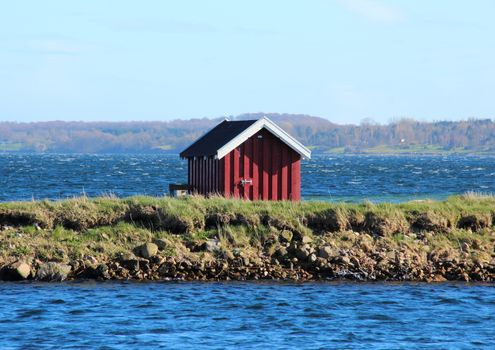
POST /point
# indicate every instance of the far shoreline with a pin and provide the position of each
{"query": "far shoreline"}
(314, 154)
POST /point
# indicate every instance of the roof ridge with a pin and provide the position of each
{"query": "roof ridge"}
(227, 135)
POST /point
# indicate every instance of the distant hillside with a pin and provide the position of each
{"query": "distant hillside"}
(404, 136)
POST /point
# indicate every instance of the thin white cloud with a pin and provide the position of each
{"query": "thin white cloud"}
(374, 10)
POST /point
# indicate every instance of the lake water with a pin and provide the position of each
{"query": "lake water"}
(334, 178)
(246, 316)
(253, 315)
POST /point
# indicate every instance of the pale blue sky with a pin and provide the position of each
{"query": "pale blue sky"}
(344, 60)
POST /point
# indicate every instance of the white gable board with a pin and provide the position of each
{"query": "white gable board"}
(274, 129)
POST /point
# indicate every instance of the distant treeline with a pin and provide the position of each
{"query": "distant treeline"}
(402, 136)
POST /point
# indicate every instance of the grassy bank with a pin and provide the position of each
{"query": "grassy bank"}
(104, 237)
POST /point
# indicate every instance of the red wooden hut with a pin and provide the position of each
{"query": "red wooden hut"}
(250, 159)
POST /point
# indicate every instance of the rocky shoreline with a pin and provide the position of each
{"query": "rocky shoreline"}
(297, 260)
(313, 242)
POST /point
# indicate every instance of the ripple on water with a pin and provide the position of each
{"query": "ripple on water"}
(56, 301)
(30, 313)
(258, 315)
(342, 178)
(78, 312)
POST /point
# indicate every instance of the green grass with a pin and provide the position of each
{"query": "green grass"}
(165, 147)
(336, 150)
(194, 213)
(10, 147)
(104, 227)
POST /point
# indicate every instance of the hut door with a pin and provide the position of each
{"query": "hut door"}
(246, 187)
(242, 180)
(247, 179)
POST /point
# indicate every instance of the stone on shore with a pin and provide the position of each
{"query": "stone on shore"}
(211, 245)
(303, 252)
(21, 269)
(53, 272)
(147, 250)
(306, 239)
(325, 252)
(285, 236)
(161, 243)
(16, 271)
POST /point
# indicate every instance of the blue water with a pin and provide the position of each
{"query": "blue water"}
(246, 316)
(334, 178)
(173, 315)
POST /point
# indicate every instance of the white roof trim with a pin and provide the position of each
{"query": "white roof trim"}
(270, 126)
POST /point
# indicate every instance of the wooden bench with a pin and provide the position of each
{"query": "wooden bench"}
(178, 190)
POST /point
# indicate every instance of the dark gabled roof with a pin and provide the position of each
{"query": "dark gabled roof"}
(213, 140)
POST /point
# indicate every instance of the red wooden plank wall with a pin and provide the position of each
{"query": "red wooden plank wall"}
(271, 165)
(203, 175)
